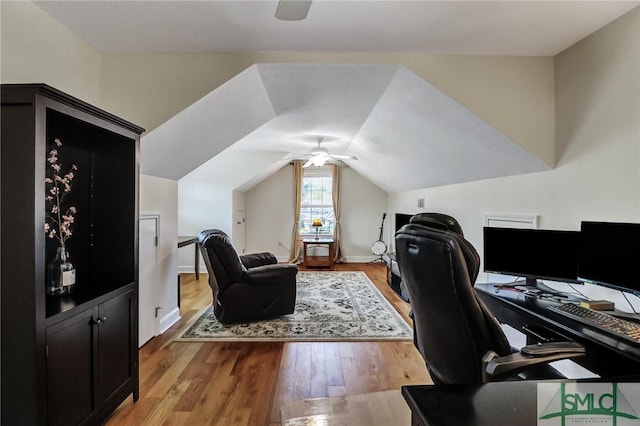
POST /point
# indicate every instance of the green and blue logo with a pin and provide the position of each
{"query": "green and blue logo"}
(586, 403)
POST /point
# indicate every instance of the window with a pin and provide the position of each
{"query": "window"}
(317, 202)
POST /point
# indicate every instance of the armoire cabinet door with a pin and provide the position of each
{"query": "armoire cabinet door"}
(115, 332)
(70, 397)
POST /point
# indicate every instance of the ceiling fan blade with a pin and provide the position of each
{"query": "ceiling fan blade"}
(307, 164)
(343, 157)
(292, 10)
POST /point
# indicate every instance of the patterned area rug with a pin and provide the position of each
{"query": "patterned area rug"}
(329, 306)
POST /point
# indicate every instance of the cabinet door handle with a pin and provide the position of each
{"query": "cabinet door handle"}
(99, 320)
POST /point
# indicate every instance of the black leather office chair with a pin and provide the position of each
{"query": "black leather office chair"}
(432, 220)
(458, 337)
(440, 221)
(246, 288)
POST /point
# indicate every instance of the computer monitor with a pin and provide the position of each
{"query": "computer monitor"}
(532, 254)
(609, 253)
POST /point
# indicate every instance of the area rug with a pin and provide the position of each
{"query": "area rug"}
(329, 306)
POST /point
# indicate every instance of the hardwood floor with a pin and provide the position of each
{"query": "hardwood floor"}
(246, 383)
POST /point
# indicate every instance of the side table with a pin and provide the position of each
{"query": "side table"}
(318, 261)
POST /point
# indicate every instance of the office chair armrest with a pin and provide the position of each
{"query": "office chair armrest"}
(542, 349)
(258, 259)
(529, 356)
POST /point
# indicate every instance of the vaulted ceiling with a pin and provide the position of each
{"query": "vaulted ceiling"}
(406, 133)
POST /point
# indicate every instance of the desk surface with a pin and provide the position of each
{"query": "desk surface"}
(607, 355)
(185, 240)
(499, 403)
(492, 404)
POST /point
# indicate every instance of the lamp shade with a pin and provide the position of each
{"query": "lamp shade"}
(316, 222)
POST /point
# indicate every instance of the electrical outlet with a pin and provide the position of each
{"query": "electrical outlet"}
(421, 203)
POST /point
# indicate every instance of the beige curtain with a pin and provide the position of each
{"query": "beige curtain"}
(296, 241)
(338, 256)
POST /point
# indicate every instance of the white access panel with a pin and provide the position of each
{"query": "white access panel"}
(148, 326)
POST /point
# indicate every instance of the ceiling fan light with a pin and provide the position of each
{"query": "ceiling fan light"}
(320, 151)
(319, 160)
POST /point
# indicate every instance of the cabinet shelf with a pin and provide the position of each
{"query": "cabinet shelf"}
(56, 305)
(104, 196)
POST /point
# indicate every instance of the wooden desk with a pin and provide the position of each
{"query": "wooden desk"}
(187, 240)
(607, 355)
(318, 261)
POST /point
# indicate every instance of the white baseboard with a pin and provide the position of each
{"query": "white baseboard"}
(361, 259)
(169, 319)
(189, 269)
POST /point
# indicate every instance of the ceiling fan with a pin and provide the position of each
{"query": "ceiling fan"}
(320, 155)
(292, 10)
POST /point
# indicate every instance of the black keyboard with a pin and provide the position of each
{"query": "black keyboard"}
(625, 329)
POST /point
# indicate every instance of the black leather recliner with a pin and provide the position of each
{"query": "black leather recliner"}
(246, 288)
(460, 340)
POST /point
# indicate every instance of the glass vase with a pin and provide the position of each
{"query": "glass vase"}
(61, 275)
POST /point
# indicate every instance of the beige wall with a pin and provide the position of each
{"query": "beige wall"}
(598, 136)
(38, 49)
(206, 195)
(598, 125)
(362, 206)
(270, 214)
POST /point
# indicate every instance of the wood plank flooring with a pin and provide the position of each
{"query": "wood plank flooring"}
(384, 408)
(246, 383)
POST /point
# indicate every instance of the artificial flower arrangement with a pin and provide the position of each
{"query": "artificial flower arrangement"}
(58, 223)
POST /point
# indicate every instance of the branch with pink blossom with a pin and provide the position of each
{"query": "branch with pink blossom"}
(58, 221)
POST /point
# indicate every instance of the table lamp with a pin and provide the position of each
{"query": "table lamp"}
(317, 223)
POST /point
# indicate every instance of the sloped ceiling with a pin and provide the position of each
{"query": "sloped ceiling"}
(529, 28)
(406, 133)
